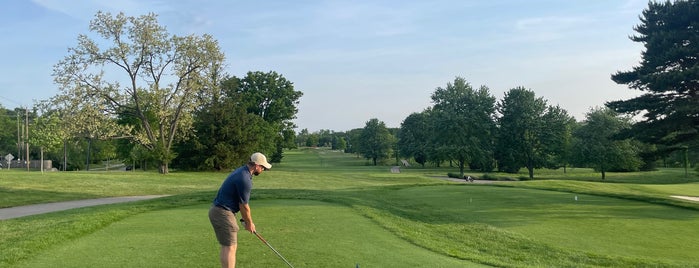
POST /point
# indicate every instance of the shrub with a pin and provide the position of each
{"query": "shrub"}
(489, 176)
(454, 175)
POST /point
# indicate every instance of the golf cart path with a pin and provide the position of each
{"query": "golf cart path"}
(21, 211)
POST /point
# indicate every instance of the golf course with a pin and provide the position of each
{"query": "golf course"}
(323, 208)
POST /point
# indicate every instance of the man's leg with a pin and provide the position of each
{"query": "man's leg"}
(228, 256)
(226, 229)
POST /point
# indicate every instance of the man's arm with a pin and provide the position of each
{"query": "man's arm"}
(246, 216)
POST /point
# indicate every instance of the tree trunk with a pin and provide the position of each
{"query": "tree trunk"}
(163, 168)
(87, 162)
(65, 154)
(41, 149)
(603, 169)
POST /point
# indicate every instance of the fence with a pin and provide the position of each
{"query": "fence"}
(33, 164)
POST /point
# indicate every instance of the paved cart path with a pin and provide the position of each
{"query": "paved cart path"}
(21, 211)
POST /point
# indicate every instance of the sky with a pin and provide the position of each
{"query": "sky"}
(359, 60)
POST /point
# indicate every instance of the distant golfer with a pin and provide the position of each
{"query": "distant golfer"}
(233, 197)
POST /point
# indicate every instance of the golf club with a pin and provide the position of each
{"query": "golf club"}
(270, 246)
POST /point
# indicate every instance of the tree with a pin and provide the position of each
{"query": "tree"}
(225, 134)
(8, 132)
(375, 141)
(354, 141)
(597, 147)
(47, 133)
(531, 134)
(339, 143)
(162, 75)
(463, 123)
(668, 74)
(520, 126)
(273, 98)
(414, 136)
(557, 137)
(84, 116)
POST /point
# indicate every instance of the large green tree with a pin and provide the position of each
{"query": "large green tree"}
(226, 135)
(520, 127)
(414, 136)
(375, 141)
(273, 98)
(142, 69)
(668, 76)
(463, 123)
(531, 133)
(557, 137)
(596, 144)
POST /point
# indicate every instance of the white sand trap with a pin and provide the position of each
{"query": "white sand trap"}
(690, 198)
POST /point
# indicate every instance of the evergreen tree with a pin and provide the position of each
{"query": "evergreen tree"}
(668, 75)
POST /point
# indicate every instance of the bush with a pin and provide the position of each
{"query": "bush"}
(454, 175)
(491, 177)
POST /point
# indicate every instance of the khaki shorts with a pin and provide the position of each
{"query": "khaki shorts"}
(225, 225)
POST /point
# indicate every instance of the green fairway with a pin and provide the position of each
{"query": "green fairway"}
(601, 225)
(321, 208)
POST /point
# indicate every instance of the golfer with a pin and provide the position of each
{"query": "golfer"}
(233, 197)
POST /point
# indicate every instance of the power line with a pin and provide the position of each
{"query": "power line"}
(13, 101)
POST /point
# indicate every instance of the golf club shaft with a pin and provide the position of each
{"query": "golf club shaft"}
(270, 246)
(275, 251)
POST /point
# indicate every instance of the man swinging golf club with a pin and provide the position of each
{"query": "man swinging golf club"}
(233, 197)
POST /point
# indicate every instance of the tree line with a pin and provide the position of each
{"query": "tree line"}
(134, 92)
(467, 127)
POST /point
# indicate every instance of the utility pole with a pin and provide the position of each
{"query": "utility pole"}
(19, 142)
(26, 124)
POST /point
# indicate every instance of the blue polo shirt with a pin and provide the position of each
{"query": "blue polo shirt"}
(235, 190)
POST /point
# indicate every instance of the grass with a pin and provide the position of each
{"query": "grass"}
(325, 209)
(24, 188)
(144, 240)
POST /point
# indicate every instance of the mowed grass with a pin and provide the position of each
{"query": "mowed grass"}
(182, 237)
(326, 209)
(24, 188)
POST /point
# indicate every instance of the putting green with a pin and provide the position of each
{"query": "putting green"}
(307, 233)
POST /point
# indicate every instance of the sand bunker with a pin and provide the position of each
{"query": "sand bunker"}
(690, 198)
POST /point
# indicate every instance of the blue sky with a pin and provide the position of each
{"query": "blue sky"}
(358, 60)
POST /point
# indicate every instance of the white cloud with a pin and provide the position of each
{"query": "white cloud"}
(86, 9)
